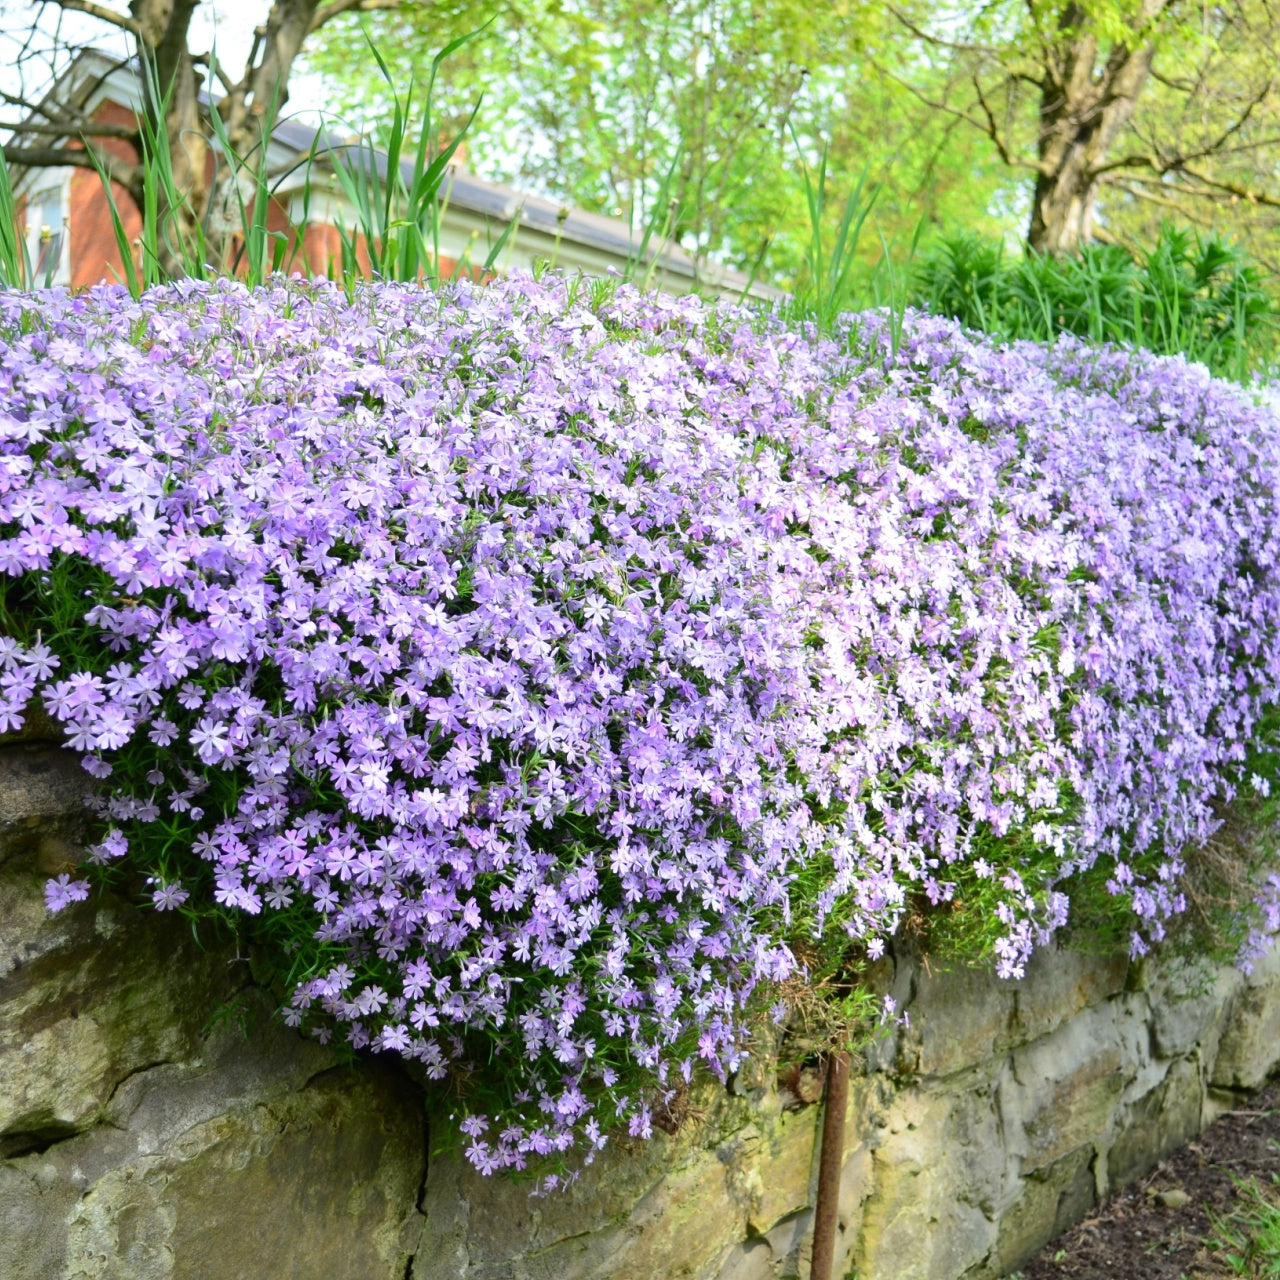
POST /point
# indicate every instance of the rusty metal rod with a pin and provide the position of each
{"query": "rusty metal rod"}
(829, 1161)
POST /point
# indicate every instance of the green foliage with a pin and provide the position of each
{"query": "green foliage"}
(836, 278)
(1247, 1240)
(703, 120)
(261, 252)
(396, 231)
(397, 225)
(172, 240)
(15, 262)
(831, 280)
(1197, 296)
(593, 100)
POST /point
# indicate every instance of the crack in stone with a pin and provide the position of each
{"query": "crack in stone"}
(34, 1142)
(420, 1198)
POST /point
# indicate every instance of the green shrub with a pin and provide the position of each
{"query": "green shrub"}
(1188, 295)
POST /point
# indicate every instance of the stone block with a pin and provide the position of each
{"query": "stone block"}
(42, 801)
(641, 1212)
(855, 1190)
(958, 1017)
(1065, 1087)
(1060, 983)
(1249, 1050)
(855, 1186)
(88, 997)
(1049, 1201)
(751, 1260)
(932, 1172)
(1156, 1124)
(35, 1203)
(1189, 999)
(791, 1244)
(319, 1180)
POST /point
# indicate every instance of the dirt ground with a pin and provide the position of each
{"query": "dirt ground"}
(1156, 1228)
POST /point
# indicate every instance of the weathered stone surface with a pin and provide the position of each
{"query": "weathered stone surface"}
(959, 1016)
(786, 1170)
(931, 1176)
(641, 1213)
(855, 1188)
(1157, 1123)
(88, 997)
(42, 794)
(318, 1180)
(1049, 1201)
(35, 1204)
(1066, 1086)
(1061, 983)
(751, 1260)
(1189, 1000)
(962, 1016)
(138, 1141)
(1250, 1048)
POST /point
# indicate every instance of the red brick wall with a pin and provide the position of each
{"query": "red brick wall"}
(94, 254)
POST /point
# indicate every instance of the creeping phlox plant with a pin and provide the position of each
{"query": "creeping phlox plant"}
(540, 665)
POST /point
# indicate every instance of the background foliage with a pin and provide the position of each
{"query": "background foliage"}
(597, 101)
(593, 100)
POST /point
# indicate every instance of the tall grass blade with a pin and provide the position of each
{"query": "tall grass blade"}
(659, 221)
(132, 281)
(252, 253)
(15, 261)
(498, 247)
(395, 218)
(829, 290)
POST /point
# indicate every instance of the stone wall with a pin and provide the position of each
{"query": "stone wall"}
(156, 1124)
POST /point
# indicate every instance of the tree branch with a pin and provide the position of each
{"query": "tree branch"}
(981, 125)
(1177, 85)
(207, 61)
(338, 7)
(95, 129)
(1209, 188)
(1139, 192)
(102, 14)
(1231, 130)
(125, 174)
(992, 130)
(31, 108)
(171, 49)
(1210, 185)
(1168, 164)
(938, 42)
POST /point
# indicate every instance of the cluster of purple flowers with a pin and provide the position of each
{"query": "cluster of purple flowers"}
(557, 664)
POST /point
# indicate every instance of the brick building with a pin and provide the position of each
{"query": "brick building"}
(69, 226)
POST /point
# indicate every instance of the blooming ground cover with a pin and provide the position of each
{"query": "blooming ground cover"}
(541, 667)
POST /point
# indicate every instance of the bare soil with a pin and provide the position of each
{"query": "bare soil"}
(1157, 1228)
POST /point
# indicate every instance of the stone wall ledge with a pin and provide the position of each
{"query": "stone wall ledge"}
(145, 1134)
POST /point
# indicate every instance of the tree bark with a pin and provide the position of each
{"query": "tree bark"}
(174, 79)
(1083, 108)
(162, 40)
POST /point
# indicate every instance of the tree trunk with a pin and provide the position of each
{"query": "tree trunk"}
(1083, 107)
(162, 27)
(209, 206)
